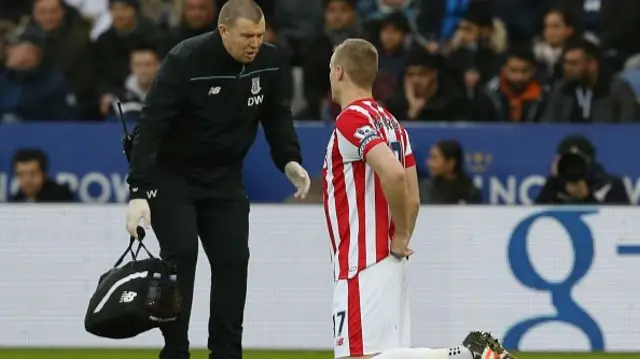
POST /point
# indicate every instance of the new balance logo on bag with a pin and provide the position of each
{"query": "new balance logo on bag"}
(115, 286)
(119, 307)
(128, 296)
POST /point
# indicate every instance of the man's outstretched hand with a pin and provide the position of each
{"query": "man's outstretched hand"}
(299, 177)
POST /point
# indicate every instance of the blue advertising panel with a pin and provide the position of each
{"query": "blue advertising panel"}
(509, 162)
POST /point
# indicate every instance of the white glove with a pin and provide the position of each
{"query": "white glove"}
(299, 177)
(138, 209)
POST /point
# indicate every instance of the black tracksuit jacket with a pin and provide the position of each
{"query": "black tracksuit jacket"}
(201, 116)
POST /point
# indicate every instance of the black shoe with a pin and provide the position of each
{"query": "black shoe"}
(483, 346)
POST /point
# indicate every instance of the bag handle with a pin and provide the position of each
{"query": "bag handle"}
(134, 255)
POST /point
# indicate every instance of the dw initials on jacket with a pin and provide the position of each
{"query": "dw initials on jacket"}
(356, 211)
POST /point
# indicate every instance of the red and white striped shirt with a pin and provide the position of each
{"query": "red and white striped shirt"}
(356, 210)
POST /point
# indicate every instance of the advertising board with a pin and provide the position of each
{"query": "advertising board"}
(508, 162)
(540, 278)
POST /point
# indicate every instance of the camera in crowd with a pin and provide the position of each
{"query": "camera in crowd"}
(576, 171)
(579, 178)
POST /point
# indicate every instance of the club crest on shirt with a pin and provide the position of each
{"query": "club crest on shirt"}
(363, 132)
(255, 86)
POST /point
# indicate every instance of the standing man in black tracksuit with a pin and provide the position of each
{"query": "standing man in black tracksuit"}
(200, 117)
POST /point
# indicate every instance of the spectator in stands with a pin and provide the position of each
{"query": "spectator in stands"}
(30, 167)
(437, 20)
(577, 177)
(428, 94)
(515, 96)
(589, 93)
(392, 48)
(448, 183)
(113, 48)
(199, 16)
(631, 74)
(560, 26)
(273, 36)
(14, 11)
(68, 48)
(6, 28)
(97, 11)
(610, 22)
(341, 22)
(29, 89)
(475, 48)
(299, 22)
(12, 15)
(481, 28)
(521, 17)
(145, 62)
(164, 13)
(378, 9)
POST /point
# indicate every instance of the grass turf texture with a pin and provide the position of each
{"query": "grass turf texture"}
(251, 354)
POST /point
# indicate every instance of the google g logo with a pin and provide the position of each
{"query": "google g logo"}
(567, 310)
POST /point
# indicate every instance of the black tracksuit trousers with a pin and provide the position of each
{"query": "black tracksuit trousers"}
(180, 213)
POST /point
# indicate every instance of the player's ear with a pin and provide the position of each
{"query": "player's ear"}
(340, 73)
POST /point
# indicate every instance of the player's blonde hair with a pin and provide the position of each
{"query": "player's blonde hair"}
(359, 59)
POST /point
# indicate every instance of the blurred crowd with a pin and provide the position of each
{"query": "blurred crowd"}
(511, 61)
(440, 60)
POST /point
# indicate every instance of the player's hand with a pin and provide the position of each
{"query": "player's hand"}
(138, 209)
(400, 246)
(299, 177)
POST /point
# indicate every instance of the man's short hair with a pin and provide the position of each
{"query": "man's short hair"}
(146, 47)
(396, 20)
(359, 59)
(569, 17)
(233, 10)
(522, 53)
(353, 4)
(133, 3)
(61, 3)
(31, 154)
(588, 47)
(418, 56)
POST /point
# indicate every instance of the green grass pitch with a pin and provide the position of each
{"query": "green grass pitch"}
(250, 354)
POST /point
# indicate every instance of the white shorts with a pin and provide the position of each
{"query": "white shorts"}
(371, 310)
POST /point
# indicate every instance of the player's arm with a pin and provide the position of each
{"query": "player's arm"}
(411, 175)
(162, 105)
(413, 194)
(278, 121)
(358, 140)
(395, 186)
